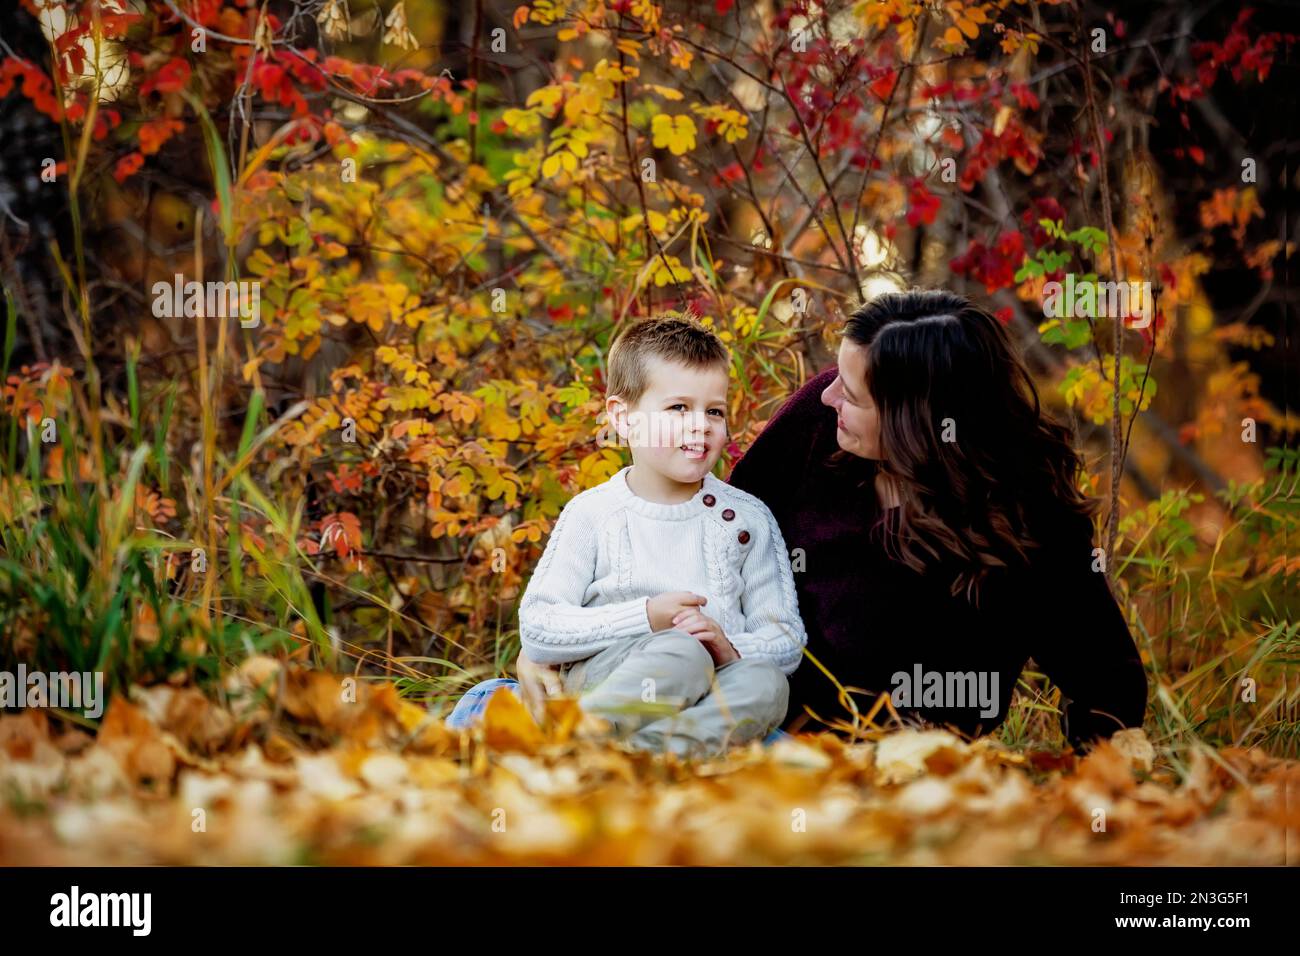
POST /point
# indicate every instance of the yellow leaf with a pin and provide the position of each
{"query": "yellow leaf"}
(546, 97)
(671, 271)
(599, 467)
(523, 122)
(521, 184)
(1000, 121)
(676, 133)
(507, 725)
(500, 425)
(667, 92)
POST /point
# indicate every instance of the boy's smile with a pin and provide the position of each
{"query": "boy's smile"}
(696, 450)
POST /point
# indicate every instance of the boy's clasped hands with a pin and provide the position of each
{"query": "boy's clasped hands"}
(681, 610)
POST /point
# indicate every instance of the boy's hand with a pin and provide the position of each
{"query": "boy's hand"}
(709, 633)
(538, 682)
(663, 608)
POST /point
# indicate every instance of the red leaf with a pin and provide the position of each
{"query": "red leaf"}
(170, 79)
(922, 206)
(884, 86)
(36, 86)
(343, 531)
(106, 120)
(156, 132)
(127, 166)
(996, 266)
(1011, 245)
(115, 25)
(1025, 97)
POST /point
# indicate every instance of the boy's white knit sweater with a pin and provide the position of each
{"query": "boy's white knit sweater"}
(610, 551)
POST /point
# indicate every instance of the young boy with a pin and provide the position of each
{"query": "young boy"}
(664, 594)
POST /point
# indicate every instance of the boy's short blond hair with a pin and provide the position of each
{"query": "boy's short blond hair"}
(671, 337)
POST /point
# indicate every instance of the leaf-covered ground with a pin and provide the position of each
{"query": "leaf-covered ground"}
(287, 770)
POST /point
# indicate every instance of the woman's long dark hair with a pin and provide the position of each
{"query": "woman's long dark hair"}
(977, 462)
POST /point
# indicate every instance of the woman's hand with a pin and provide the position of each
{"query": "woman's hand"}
(537, 682)
(709, 633)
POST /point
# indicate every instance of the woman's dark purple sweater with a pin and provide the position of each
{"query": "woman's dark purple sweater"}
(869, 617)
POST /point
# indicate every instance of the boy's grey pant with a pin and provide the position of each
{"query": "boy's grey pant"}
(662, 692)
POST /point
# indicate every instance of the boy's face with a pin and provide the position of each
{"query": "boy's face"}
(679, 425)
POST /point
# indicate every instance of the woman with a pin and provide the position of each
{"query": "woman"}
(938, 537)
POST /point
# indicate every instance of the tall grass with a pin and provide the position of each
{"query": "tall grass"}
(87, 582)
(1217, 621)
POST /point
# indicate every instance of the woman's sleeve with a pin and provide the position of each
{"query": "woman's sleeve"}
(1083, 644)
(784, 444)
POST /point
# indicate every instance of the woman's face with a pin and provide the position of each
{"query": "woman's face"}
(857, 423)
